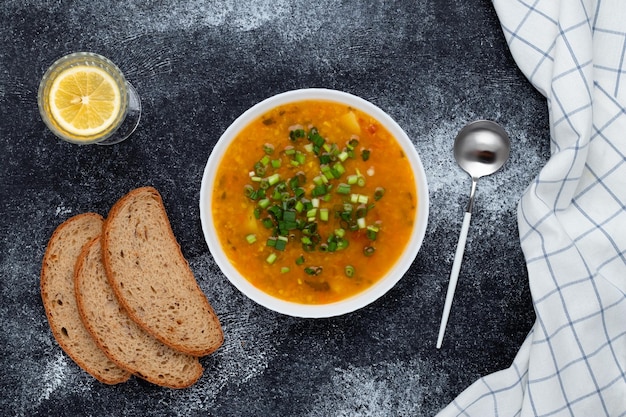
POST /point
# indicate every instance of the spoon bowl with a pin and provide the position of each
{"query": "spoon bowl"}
(480, 148)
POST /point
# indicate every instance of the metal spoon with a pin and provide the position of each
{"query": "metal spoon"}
(480, 148)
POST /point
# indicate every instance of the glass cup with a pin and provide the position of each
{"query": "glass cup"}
(118, 127)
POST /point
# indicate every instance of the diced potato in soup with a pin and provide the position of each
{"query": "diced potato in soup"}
(350, 122)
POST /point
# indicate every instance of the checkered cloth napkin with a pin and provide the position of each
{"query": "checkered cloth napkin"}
(572, 218)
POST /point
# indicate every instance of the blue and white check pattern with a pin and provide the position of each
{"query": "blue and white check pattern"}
(572, 218)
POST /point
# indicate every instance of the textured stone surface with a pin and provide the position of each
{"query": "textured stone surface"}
(433, 66)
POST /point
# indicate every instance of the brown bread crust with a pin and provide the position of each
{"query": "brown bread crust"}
(152, 279)
(57, 295)
(121, 339)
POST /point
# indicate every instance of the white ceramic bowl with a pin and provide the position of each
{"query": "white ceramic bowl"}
(318, 310)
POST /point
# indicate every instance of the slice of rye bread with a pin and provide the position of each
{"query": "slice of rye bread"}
(121, 339)
(59, 300)
(151, 277)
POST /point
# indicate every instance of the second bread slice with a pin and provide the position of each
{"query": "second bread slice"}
(121, 339)
(152, 279)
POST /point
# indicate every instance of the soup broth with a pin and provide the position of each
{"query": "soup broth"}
(314, 202)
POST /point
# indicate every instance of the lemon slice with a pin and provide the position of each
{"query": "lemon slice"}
(85, 100)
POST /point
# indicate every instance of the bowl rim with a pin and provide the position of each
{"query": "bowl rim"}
(356, 301)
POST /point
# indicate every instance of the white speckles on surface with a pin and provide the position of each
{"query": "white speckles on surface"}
(54, 374)
(384, 389)
(244, 16)
(62, 211)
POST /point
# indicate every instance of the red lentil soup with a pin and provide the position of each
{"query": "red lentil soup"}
(314, 202)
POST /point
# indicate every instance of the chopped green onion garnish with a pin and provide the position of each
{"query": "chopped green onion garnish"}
(251, 238)
(313, 270)
(379, 193)
(316, 138)
(249, 191)
(273, 179)
(325, 158)
(264, 203)
(349, 270)
(365, 154)
(281, 243)
(299, 193)
(276, 211)
(300, 260)
(271, 258)
(319, 190)
(372, 232)
(284, 270)
(328, 173)
(369, 250)
(277, 195)
(299, 157)
(361, 211)
(339, 169)
(342, 243)
(362, 199)
(259, 169)
(343, 188)
(268, 148)
(289, 216)
(297, 134)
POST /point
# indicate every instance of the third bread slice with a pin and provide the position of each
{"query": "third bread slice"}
(152, 279)
(59, 301)
(121, 339)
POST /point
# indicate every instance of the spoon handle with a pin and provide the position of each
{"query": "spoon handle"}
(454, 276)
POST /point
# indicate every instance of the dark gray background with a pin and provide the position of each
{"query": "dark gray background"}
(432, 65)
